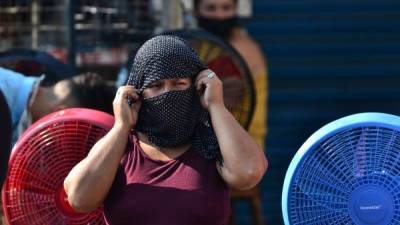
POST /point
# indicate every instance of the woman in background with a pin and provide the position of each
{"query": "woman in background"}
(220, 18)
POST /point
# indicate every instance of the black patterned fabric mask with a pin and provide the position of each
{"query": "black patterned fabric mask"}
(173, 118)
(169, 119)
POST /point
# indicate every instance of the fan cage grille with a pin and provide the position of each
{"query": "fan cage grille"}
(38, 169)
(324, 180)
(239, 101)
(239, 92)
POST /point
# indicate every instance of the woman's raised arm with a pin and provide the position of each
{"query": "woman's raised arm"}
(89, 181)
(244, 162)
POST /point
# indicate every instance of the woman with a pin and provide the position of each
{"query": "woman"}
(164, 161)
(220, 18)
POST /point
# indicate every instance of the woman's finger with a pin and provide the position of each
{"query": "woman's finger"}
(127, 91)
(203, 74)
(200, 83)
(127, 94)
(123, 89)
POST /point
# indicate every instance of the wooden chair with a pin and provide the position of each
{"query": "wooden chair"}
(254, 197)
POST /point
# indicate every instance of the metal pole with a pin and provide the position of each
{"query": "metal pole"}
(35, 24)
(171, 14)
(71, 39)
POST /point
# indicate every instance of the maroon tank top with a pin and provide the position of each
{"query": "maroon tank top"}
(187, 190)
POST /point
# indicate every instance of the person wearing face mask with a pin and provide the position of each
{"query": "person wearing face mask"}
(174, 148)
(219, 17)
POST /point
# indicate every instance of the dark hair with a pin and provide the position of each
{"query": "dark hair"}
(197, 2)
(6, 133)
(89, 90)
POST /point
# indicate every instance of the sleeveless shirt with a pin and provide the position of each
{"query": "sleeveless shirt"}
(187, 190)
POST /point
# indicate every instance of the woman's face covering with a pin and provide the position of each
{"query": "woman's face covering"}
(169, 112)
(217, 17)
(217, 9)
(159, 87)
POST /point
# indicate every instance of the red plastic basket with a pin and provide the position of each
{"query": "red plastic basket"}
(33, 192)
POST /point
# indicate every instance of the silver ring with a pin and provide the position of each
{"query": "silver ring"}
(211, 75)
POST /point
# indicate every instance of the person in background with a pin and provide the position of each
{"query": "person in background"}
(29, 101)
(219, 17)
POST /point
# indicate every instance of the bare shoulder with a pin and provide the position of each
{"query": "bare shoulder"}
(249, 49)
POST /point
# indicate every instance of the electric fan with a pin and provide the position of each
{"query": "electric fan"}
(33, 192)
(348, 172)
(239, 93)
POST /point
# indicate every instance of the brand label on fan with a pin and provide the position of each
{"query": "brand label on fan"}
(372, 207)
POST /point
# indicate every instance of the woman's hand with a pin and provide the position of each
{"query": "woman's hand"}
(126, 115)
(244, 161)
(88, 183)
(210, 88)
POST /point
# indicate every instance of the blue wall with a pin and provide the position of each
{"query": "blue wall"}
(328, 59)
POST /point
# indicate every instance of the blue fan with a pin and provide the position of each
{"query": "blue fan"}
(348, 172)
